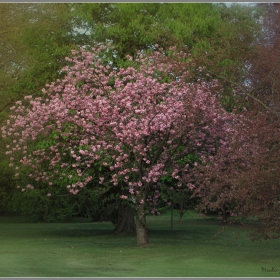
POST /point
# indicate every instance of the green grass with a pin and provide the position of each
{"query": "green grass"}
(192, 249)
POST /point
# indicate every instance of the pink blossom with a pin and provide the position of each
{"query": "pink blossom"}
(101, 180)
(130, 123)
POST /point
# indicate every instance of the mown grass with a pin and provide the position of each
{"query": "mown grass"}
(195, 248)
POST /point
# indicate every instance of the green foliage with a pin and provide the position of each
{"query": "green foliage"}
(60, 206)
(219, 33)
(7, 184)
(138, 26)
(48, 42)
(190, 158)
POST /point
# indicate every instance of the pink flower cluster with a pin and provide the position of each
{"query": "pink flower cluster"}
(128, 120)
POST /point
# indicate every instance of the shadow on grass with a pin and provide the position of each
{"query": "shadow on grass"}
(176, 233)
(192, 229)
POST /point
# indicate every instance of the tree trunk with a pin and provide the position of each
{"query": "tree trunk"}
(126, 222)
(141, 227)
(225, 217)
(181, 212)
(171, 216)
(181, 217)
(46, 211)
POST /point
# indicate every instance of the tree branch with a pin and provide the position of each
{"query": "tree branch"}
(249, 94)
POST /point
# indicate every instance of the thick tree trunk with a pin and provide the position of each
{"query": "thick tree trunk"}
(126, 222)
(141, 227)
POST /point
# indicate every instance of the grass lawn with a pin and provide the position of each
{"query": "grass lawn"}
(191, 249)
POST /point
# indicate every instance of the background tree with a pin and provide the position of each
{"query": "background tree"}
(262, 85)
(263, 69)
(226, 193)
(34, 41)
(221, 37)
(254, 191)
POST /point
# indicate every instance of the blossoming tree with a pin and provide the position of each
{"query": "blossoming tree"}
(141, 122)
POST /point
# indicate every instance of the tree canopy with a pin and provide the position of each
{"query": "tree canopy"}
(139, 121)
